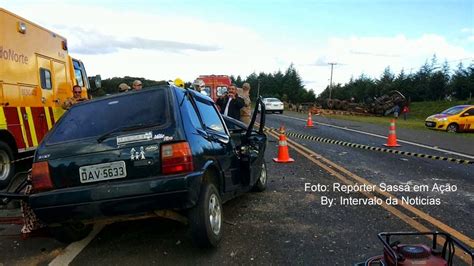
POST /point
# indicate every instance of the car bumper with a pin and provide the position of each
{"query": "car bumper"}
(273, 108)
(132, 197)
(438, 125)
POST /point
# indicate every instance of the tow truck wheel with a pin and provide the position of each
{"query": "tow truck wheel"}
(261, 184)
(70, 232)
(206, 218)
(7, 169)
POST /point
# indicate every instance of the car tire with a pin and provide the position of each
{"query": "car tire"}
(207, 218)
(281, 112)
(7, 169)
(70, 232)
(261, 184)
(453, 128)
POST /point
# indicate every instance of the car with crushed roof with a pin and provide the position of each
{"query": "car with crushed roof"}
(137, 153)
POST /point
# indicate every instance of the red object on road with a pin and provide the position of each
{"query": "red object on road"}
(397, 254)
(283, 154)
(309, 122)
(392, 135)
(11, 220)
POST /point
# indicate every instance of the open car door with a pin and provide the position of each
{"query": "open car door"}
(254, 142)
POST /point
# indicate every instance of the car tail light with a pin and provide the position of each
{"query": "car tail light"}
(176, 158)
(40, 178)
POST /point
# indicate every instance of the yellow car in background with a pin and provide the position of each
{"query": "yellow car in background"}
(458, 118)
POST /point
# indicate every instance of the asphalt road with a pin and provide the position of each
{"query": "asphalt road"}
(452, 142)
(285, 224)
(377, 167)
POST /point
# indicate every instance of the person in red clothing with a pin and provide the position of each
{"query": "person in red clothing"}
(405, 111)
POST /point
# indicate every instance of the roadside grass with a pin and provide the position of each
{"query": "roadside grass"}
(419, 111)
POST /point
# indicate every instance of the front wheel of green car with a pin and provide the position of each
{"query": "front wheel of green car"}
(261, 184)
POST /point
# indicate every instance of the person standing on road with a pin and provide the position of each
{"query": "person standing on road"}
(405, 112)
(76, 97)
(198, 85)
(231, 104)
(396, 111)
(245, 112)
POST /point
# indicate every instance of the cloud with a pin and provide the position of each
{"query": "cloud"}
(321, 61)
(356, 55)
(89, 42)
(155, 44)
(373, 54)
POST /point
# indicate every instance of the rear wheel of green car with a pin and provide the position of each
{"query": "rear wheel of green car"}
(70, 232)
(206, 217)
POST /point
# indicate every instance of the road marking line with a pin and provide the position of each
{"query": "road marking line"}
(414, 210)
(371, 148)
(410, 221)
(383, 137)
(71, 251)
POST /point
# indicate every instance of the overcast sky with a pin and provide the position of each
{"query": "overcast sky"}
(169, 39)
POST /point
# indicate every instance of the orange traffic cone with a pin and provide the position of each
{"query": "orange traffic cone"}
(392, 135)
(283, 155)
(309, 122)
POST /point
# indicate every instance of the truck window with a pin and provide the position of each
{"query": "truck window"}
(45, 76)
(221, 90)
(78, 73)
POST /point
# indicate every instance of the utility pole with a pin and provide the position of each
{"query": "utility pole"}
(258, 89)
(330, 84)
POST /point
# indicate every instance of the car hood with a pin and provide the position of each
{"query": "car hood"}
(437, 116)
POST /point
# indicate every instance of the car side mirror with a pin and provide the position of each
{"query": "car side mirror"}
(465, 114)
(224, 139)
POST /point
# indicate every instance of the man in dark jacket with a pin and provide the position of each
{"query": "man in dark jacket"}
(231, 104)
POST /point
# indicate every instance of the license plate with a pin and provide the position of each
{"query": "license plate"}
(430, 124)
(103, 171)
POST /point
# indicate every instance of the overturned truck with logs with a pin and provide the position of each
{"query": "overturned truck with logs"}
(383, 105)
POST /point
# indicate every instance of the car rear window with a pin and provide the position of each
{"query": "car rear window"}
(272, 100)
(93, 119)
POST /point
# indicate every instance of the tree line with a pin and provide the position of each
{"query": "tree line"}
(287, 86)
(110, 85)
(432, 82)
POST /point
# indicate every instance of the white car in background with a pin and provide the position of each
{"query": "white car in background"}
(273, 105)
